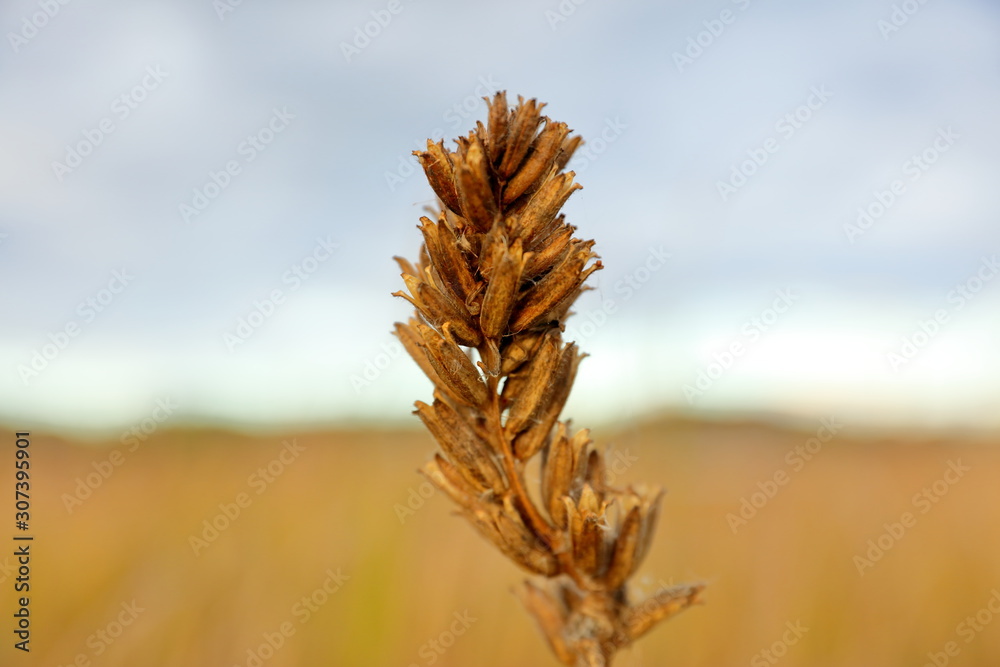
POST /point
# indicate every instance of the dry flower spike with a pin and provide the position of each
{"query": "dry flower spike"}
(498, 272)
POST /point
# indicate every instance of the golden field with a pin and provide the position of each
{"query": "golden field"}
(336, 559)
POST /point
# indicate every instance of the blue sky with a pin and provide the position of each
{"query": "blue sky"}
(814, 185)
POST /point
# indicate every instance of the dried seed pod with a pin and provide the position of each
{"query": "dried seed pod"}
(445, 255)
(555, 249)
(566, 151)
(445, 476)
(519, 349)
(475, 192)
(594, 472)
(588, 531)
(515, 384)
(482, 134)
(496, 126)
(453, 367)
(406, 267)
(623, 560)
(531, 441)
(482, 518)
(561, 311)
(412, 282)
(540, 300)
(502, 292)
(556, 392)
(440, 310)
(535, 220)
(557, 476)
(424, 260)
(540, 161)
(461, 444)
(414, 345)
(538, 385)
(588, 545)
(493, 246)
(650, 513)
(588, 502)
(437, 164)
(638, 620)
(523, 126)
(521, 543)
(581, 443)
(574, 520)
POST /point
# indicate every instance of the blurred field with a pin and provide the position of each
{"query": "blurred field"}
(336, 508)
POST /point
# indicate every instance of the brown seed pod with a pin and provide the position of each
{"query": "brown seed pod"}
(437, 164)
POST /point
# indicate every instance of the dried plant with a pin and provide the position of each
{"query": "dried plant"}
(498, 271)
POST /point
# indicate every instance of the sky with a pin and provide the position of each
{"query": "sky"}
(795, 204)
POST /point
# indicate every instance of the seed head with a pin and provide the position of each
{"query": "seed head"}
(497, 273)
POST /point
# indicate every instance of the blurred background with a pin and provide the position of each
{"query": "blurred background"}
(794, 204)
